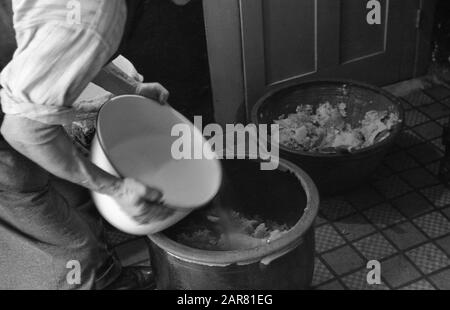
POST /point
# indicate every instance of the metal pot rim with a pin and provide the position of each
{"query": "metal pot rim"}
(288, 242)
(100, 137)
(358, 153)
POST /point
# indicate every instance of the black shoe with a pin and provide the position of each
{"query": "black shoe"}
(134, 278)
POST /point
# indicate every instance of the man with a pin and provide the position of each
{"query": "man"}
(43, 229)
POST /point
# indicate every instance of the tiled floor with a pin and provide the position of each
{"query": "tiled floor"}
(401, 217)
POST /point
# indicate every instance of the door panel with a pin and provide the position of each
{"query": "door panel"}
(358, 39)
(283, 44)
(286, 41)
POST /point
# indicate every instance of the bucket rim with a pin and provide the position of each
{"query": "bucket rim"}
(104, 149)
(362, 152)
(293, 238)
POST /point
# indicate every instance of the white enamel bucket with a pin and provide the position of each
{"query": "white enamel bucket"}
(136, 138)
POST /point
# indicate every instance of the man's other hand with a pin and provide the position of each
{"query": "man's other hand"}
(141, 202)
(153, 91)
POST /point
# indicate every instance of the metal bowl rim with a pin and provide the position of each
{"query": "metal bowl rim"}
(293, 238)
(364, 151)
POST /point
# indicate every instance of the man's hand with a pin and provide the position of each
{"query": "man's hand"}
(141, 202)
(153, 91)
(117, 82)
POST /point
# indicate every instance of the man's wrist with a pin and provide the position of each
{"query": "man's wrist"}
(113, 189)
(139, 89)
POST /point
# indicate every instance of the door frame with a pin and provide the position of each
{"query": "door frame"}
(224, 45)
(424, 36)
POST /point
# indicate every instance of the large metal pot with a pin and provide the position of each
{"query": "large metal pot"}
(286, 195)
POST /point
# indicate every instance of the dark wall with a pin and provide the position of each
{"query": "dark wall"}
(169, 47)
(7, 41)
(441, 44)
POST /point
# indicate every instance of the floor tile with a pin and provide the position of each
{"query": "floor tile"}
(375, 247)
(429, 130)
(445, 101)
(418, 98)
(408, 139)
(425, 153)
(405, 104)
(421, 285)
(400, 161)
(384, 215)
(438, 92)
(446, 211)
(382, 172)
(392, 187)
(327, 238)
(433, 168)
(335, 208)
(343, 260)
(444, 243)
(444, 121)
(398, 271)
(429, 258)
(332, 286)
(364, 197)
(415, 117)
(439, 195)
(320, 220)
(321, 273)
(358, 281)
(433, 224)
(354, 227)
(405, 235)
(435, 110)
(442, 280)
(412, 205)
(419, 178)
(438, 144)
(394, 149)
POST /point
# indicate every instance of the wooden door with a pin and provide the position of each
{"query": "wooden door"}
(286, 41)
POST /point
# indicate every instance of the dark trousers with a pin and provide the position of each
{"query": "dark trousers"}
(48, 228)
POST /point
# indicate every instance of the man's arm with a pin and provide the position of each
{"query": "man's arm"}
(116, 81)
(51, 148)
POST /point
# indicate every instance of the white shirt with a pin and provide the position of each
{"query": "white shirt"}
(58, 55)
